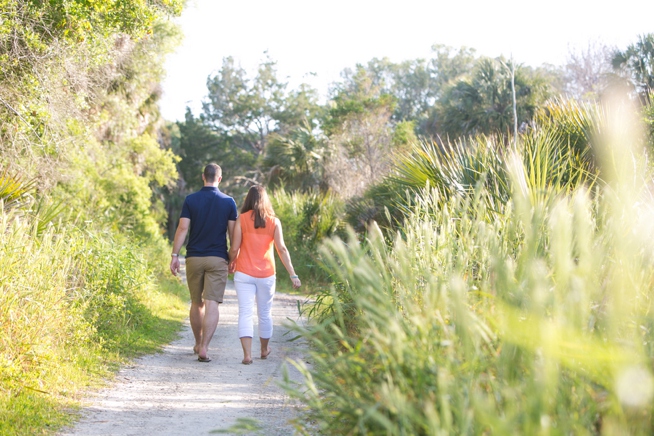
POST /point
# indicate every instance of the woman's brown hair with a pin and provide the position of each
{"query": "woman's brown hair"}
(257, 200)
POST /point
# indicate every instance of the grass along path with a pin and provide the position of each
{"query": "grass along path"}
(172, 393)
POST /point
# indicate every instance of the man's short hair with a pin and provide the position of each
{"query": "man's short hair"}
(212, 172)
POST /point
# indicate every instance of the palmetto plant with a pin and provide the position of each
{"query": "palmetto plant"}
(555, 155)
(296, 160)
(16, 193)
(14, 188)
(308, 219)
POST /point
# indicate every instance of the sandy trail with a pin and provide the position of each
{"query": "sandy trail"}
(171, 393)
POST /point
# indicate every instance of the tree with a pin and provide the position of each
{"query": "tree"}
(586, 71)
(483, 103)
(636, 65)
(296, 160)
(360, 134)
(78, 105)
(245, 110)
(240, 117)
(200, 145)
(415, 85)
(377, 109)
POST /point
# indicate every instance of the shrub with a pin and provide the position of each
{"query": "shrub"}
(307, 219)
(556, 153)
(74, 302)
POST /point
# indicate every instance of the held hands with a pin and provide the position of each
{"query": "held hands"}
(232, 266)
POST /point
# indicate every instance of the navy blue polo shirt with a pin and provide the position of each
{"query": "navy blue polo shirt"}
(209, 210)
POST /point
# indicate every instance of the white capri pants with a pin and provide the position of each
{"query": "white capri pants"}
(248, 290)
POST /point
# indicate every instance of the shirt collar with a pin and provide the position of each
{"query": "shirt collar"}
(209, 188)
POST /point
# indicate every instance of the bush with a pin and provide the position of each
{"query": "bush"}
(307, 219)
(556, 154)
(74, 302)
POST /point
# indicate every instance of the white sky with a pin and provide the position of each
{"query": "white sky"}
(324, 37)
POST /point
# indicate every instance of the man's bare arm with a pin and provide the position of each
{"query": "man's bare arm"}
(180, 237)
(230, 231)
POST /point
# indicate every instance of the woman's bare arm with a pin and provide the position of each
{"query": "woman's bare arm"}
(284, 254)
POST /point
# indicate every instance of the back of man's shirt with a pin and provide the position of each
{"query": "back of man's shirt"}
(209, 211)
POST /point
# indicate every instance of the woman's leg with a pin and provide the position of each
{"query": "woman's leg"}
(246, 344)
(245, 292)
(265, 294)
(265, 349)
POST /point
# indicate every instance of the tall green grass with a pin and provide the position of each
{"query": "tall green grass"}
(74, 303)
(307, 219)
(533, 319)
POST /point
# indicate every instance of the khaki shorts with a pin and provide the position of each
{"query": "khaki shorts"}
(206, 278)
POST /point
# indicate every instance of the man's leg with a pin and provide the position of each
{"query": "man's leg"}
(209, 323)
(195, 281)
(196, 314)
(215, 279)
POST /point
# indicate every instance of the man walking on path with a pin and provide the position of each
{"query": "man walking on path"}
(208, 215)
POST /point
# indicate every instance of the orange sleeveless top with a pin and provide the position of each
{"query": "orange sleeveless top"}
(256, 257)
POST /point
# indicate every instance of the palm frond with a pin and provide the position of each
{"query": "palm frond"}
(14, 188)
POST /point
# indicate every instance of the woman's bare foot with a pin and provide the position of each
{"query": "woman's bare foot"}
(196, 349)
(264, 355)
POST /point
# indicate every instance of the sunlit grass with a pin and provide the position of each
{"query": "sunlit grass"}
(525, 316)
(74, 304)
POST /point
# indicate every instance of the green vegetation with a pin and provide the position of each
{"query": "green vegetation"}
(82, 174)
(495, 277)
(497, 271)
(262, 132)
(489, 282)
(307, 219)
(636, 65)
(75, 303)
(530, 317)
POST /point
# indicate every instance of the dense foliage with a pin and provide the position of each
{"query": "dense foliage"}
(267, 134)
(83, 174)
(493, 315)
(496, 276)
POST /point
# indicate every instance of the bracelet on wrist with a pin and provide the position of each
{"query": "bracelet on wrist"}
(174, 255)
(294, 277)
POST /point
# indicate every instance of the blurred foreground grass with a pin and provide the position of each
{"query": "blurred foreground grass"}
(529, 315)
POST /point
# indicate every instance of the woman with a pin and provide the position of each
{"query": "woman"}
(253, 264)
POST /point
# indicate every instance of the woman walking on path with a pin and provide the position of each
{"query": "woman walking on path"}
(253, 263)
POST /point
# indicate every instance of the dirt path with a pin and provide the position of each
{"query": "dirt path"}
(171, 393)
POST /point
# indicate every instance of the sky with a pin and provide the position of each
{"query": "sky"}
(312, 41)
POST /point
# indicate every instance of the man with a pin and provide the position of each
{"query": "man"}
(209, 214)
